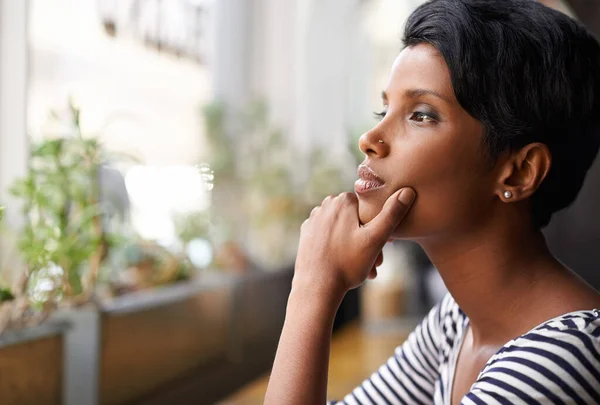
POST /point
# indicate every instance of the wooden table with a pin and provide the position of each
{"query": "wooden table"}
(355, 355)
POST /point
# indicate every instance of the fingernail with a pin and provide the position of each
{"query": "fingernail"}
(406, 196)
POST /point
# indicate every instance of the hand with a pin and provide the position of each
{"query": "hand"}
(336, 253)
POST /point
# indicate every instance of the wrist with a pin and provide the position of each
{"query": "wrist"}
(316, 296)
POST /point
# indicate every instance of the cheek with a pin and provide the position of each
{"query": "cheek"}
(444, 191)
(451, 183)
(450, 176)
(436, 213)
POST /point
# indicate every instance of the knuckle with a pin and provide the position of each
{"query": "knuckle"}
(347, 197)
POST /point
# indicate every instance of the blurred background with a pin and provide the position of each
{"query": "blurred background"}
(157, 158)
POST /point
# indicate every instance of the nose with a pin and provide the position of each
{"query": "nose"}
(373, 144)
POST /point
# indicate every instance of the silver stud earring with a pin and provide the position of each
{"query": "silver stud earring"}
(507, 194)
(381, 141)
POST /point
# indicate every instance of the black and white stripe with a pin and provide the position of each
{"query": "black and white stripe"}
(558, 362)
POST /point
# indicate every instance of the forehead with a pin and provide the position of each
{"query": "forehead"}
(420, 67)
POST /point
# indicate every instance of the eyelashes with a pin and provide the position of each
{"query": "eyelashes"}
(418, 116)
(424, 117)
(379, 115)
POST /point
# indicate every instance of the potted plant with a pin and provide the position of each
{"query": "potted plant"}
(62, 246)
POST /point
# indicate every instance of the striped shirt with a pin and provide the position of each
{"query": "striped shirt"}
(557, 362)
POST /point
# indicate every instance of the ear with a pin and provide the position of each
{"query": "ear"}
(523, 172)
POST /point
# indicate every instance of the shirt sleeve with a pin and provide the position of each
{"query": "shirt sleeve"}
(410, 375)
(550, 365)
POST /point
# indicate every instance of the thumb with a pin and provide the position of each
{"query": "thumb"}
(392, 213)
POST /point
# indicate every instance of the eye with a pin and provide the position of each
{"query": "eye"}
(424, 117)
(380, 115)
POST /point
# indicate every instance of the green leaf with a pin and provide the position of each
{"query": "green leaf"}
(6, 294)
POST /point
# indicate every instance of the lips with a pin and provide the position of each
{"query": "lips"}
(367, 181)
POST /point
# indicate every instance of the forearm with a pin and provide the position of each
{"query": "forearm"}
(325, 270)
(299, 375)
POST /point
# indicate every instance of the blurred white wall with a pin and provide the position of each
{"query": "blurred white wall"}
(14, 143)
(320, 65)
(141, 101)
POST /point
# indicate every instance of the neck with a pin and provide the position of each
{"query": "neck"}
(494, 274)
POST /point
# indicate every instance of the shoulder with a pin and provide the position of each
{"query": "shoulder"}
(558, 361)
(576, 333)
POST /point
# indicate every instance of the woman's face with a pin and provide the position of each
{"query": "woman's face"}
(430, 144)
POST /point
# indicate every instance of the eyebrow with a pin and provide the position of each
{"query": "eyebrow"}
(414, 93)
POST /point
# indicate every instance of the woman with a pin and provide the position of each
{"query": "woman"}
(490, 121)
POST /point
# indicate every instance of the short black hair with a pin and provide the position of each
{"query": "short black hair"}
(529, 74)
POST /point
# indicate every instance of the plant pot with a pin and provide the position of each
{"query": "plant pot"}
(151, 339)
(31, 365)
(245, 351)
(191, 343)
(261, 300)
